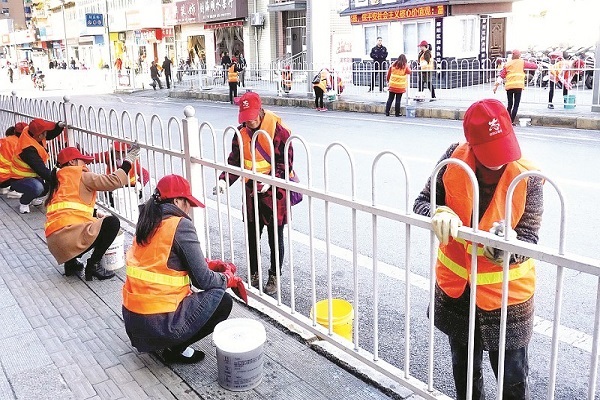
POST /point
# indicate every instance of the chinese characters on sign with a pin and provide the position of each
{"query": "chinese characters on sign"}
(193, 11)
(94, 20)
(187, 12)
(399, 15)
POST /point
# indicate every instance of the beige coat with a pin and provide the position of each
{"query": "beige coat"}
(73, 240)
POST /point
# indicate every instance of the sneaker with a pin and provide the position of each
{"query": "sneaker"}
(4, 190)
(551, 106)
(271, 286)
(14, 195)
(254, 280)
(38, 201)
(24, 209)
(323, 109)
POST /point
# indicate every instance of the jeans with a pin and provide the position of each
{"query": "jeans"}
(252, 240)
(516, 369)
(514, 98)
(30, 187)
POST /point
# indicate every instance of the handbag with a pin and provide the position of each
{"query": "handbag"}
(317, 78)
(295, 197)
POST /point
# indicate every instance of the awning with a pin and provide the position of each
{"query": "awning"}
(224, 24)
(408, 4)
(287, 6)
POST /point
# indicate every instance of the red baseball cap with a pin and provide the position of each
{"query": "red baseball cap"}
(489, 131)
(19, 126)
(175, 186)
(72, 153)
(38, 125)
(423, 43)
(250, 106)
(120, 146)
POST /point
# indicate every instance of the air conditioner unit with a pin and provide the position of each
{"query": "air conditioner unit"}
(257, 19)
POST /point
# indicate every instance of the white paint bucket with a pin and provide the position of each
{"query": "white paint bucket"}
(114, 258)
(239, 343)
(525, 121)
(126, 202)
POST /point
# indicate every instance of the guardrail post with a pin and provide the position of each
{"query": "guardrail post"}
(70, 139)
(12, 103)
(193, 171)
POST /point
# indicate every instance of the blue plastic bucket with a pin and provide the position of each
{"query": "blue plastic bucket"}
(569, 102)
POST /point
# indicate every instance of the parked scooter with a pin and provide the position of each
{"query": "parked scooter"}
(38, 80)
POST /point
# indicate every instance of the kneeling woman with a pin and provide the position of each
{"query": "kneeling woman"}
(160, 310)
(72, 228)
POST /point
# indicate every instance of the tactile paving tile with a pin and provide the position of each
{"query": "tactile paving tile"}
(13, 322)
(27, 353)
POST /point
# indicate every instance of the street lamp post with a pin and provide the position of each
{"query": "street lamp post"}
(108, 43)
(62, 2)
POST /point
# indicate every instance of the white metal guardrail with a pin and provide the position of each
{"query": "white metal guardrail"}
(314, 257)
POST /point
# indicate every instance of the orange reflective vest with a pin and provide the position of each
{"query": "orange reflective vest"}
(232, 76)
(398, 80)
(453, 267)
(515, 74)
(66, 207)
(151, 287)
(268, 124)
(19, 168)
(425, 66)
(7, 149)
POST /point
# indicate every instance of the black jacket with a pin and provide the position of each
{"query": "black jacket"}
(30, 155)
(379, 53)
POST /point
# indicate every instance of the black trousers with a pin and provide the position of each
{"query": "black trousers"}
(252, 240)
(108, 232)
(516, 369)
(388, 105)
(232, 91)
(219, 315)
(377, 76)
(426, 81)
(514, 99)
(551, 92)
(318, 96)
(168, 78)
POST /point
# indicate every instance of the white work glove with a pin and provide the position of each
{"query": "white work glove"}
(132, 154)
(493, 254)
(221, 186)
(263, 187)
(61, 124)
(445, 223)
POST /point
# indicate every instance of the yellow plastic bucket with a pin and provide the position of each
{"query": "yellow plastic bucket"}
(343, 316)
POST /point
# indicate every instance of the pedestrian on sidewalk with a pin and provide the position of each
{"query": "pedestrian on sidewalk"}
(7, 150)
(252, 118)
(561, 72)
(320, 87)
(378, 54)
(225, 63)
(166, 66)
(29, 173)
(10, 74)
(492, 152)
(242, 64)
(155, 75)
(513, 74)
(73, 225)
(426, 64)
(233, 78)
(397, 78)
(160, 310)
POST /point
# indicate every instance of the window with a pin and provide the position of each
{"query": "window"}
(467, 35)
(371, 35)
(414, 33)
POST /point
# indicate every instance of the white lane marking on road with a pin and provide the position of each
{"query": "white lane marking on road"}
(541, 326)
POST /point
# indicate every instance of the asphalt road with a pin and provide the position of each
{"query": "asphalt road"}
(568, 158)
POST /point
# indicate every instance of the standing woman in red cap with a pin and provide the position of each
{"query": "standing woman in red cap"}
(493, 153)
(160, 310)
(513, 73)
(72, 226)
(426, 64)
(253, 117)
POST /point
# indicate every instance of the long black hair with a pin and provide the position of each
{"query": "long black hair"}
(150, 218)
(53, 184)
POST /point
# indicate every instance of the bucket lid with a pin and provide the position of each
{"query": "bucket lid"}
(239, 335)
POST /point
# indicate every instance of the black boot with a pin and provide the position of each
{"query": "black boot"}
(93, 268)
(73, 267)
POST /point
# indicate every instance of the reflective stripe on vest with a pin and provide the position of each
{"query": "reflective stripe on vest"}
(486, 278)
(153, 277)
(268, 124)
(515, 74)
(20, 169)
(232, 76)
(69, 204)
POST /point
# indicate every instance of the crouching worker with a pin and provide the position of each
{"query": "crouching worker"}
(72, 226)
(160, 310)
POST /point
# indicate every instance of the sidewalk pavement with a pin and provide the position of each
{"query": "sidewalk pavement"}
(581, 117)
(63, 338)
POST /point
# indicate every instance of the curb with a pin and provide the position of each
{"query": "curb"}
(559, 121)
